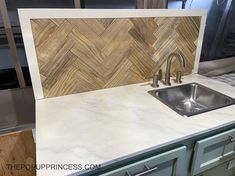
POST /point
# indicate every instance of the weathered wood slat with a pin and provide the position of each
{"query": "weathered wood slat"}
(151, 4)
(78, 55)
(11, 41)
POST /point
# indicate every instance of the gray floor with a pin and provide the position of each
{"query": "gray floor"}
(222, 70)
(226, 78)
(217, 67)
(17, 109)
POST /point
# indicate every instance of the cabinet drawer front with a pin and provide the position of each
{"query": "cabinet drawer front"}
(212, 151)
(166, 164)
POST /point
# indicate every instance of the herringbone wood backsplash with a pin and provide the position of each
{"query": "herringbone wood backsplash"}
(78, 55)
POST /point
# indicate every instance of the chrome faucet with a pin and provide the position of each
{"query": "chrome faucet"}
(168, 67)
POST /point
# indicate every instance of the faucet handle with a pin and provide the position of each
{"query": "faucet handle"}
(178, 77)
(160, 74)
(155, 81)
(157, 78)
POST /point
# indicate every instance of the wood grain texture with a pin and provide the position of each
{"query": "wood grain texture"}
(17, 149)
(78, 55)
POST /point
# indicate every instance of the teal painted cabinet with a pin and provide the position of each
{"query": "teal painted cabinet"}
(213, 151)
(221, 170)
(207, 154)
(170, 163)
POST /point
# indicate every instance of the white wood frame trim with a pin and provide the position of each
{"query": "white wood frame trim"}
(26, 14)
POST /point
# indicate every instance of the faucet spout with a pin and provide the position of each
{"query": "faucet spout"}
(168, 66)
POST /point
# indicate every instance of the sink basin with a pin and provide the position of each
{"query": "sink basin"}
(191, 99)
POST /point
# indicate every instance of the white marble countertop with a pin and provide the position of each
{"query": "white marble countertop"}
(102, 126)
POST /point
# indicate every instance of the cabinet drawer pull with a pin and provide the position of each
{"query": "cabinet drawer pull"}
(147, 171)
(127, 173)
(231, 138)
(227, 157)
(144, 172)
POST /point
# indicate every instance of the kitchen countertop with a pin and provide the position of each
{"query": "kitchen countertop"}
(104, 125)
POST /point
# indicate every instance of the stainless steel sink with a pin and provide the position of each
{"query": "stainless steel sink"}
(191, 99)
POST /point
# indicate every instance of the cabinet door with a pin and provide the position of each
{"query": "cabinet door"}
(213, 151)
(170, 163)
(221, 170)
